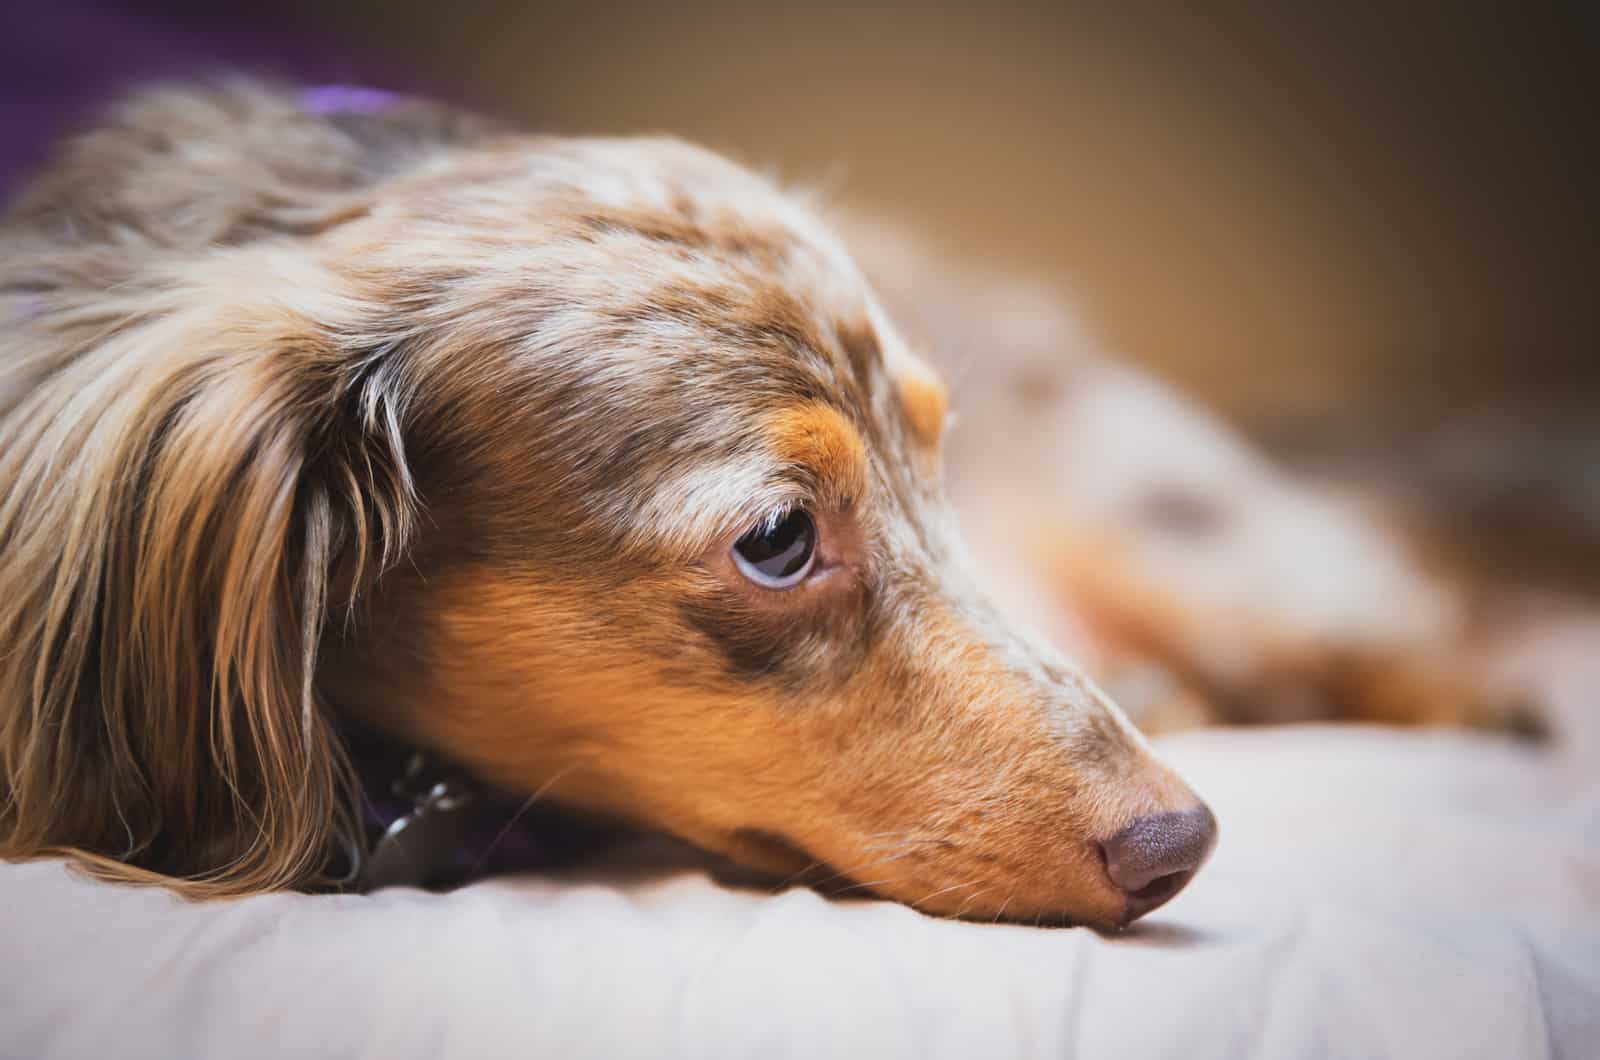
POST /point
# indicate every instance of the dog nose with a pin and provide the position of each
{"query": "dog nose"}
(1154, 857)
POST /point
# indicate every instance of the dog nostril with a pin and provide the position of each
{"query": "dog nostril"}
(1161, 888)
(1154, 857)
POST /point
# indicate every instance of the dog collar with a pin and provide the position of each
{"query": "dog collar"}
(429, 823)
(420, 831)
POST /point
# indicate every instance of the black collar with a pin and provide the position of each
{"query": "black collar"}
(420, 830)
(430, 823)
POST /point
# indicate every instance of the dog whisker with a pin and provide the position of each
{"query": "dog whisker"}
(795, 877)
(943, 890)
(850, 871)
(799, 875)
(903, 842)
(1002, 910)
(969, 900)
(527, 805)
(864, 885)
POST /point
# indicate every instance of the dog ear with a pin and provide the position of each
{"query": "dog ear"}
(181, 501)
(231, 161)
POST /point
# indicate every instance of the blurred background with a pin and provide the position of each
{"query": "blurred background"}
(1367, 237)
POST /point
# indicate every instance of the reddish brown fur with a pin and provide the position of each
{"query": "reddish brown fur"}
(818, 438)
(925, 404)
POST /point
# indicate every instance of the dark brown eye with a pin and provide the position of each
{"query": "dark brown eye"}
(778, 555)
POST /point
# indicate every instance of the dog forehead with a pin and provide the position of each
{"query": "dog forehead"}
(725, 286)
(687, 331)
(646, 258)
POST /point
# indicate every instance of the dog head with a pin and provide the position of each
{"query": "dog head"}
(593, 465)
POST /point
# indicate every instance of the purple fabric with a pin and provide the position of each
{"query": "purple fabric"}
(347, 99)
(60, 60)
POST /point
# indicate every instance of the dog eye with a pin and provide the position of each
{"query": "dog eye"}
(780, 555)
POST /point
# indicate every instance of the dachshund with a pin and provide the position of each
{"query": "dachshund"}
(594, 466)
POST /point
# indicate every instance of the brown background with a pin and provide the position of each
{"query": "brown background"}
(1369, 238)
(1317, 221)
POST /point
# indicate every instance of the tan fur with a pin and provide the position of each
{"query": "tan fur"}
(404, 419)
(818, 438)
(925, 404)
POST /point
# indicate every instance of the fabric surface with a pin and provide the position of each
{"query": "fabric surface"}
(1374, 894)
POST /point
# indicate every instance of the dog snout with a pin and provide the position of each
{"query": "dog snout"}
(1155, 857)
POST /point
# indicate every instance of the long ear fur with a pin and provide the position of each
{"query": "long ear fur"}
(192, 467)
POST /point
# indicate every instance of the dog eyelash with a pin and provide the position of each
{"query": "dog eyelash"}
(768, 523)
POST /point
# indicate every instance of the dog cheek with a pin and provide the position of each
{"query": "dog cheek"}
(745, 646)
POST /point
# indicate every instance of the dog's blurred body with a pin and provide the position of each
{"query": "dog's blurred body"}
(1191, 576)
